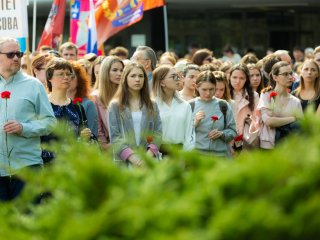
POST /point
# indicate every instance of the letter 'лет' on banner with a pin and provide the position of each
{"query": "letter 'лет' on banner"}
(13, 18)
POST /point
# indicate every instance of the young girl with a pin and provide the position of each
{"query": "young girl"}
(222, 86)
(278, 107)
(175, 113)
(309, 90)
(108, 81)
(213, 120)
(245, 99)
(190, 73)
(133, 119)
(255, 78)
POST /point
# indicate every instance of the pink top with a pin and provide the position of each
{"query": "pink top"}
(242, 110)
(103, 134)
(268, 108)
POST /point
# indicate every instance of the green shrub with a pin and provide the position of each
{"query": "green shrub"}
(260, 195)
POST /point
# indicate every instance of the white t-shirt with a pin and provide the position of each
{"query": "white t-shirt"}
(136, 118)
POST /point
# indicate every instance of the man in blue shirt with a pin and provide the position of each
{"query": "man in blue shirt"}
(24, 116)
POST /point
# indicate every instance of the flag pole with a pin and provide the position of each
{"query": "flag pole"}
(34, 25)
(165, 21)
(28, 57)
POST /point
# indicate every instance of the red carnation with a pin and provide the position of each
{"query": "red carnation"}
(238, 138)
(5, 94)
(77, 100)
(214, 118)
(273, 94)
(149, 139)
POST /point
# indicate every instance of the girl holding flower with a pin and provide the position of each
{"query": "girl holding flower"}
(213, 118)
(245, 99)
(279, 109)
(133, 119)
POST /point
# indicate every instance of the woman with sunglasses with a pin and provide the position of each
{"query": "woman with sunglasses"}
(279, 109)
(175, 113)
(59, 73)
(133, 119)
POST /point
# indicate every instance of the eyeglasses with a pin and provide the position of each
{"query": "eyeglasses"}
(286, 74)
(12, 54)
(63, 75)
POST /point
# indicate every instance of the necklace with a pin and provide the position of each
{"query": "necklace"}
(60, 103)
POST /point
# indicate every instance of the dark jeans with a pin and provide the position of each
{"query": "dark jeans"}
(11, 187)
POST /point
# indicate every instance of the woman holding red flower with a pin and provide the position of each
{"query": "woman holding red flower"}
(80, 88)
(245, 99)
(213, 118)
(279, 109)
(59, 73)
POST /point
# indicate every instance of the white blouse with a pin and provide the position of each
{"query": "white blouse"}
(177, 123)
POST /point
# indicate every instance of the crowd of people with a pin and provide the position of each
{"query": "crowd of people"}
(218, 107)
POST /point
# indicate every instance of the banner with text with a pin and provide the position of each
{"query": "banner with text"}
(13, 19)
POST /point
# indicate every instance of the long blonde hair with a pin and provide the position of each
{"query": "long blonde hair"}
(107, 89)
(157, 76)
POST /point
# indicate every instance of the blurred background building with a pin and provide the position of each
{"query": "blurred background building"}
(253, 25)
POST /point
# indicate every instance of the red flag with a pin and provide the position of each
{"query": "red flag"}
(112, 17)
(53, 29)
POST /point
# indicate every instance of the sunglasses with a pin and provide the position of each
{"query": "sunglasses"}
(12, 54)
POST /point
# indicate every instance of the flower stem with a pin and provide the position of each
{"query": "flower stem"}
(6, 139)
(81, 114)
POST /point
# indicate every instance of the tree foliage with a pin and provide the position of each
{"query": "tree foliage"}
(260, 195)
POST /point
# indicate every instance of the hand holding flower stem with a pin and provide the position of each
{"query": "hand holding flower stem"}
(272, 98)
(78, 101)
(6, 95)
